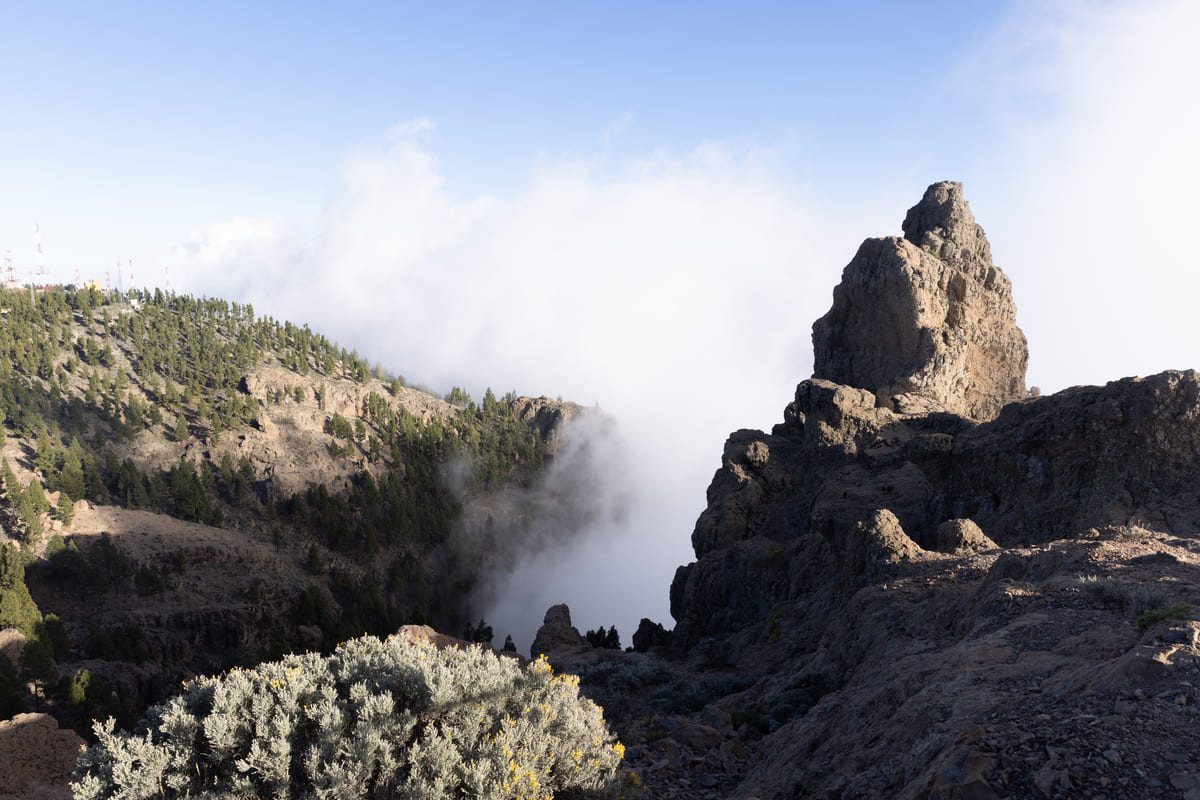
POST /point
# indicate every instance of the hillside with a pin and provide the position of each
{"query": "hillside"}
(192, 486)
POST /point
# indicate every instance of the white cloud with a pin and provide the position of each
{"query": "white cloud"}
(1094, 183)
(676, 292)
(230, 240)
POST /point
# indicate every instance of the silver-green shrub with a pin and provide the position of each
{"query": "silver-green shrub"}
(374, 719)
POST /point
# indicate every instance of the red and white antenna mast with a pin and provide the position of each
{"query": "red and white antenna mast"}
(77, 279)
(167, 273)
(131, 284)
(41, 257)
(107, 283)
(8, 265)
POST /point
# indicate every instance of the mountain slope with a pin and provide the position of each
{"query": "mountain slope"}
(193, 486)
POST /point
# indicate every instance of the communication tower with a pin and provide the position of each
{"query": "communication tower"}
(41, 257)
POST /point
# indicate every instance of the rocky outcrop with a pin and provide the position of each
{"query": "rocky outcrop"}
(36, 758)
(1087, 457)
(926, 322)
(557, 633)
(1026, 472)
(896, 565)
(344, 397)
(874, 544)
(547, 417)
(956, 535)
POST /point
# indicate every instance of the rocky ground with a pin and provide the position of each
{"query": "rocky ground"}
(998, 674)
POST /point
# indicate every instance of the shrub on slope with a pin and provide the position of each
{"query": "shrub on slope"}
(374, 719)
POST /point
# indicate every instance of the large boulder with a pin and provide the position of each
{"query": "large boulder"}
(36, 758)
(926, 321)
(957, 535)
(873, 544)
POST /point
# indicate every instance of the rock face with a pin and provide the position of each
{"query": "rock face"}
(548, 417)
(1127, 453)
(927, 321)
(36, 758)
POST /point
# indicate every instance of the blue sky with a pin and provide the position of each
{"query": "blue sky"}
(643, 206)
(148, 119)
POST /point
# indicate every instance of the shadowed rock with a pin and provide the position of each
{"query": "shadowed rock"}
(557, 633)
(955, 535)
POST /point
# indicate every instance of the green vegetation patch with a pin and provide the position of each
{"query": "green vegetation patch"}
(1154, 616)
(374, 719)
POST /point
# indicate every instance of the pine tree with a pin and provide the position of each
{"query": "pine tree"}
(612, 640)
(313, 564)
(66, 508)
(11, 486)
(70, 479)
(45, 453)
(37, 497)
(17, 609)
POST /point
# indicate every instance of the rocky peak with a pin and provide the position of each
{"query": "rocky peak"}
(942, 223)
(926, 321)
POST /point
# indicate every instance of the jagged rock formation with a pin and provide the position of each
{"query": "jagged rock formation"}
(928, 332)
(1124, 453)
(927, 321)
(896, 566)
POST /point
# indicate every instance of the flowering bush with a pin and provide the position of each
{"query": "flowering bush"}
(374, 719)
